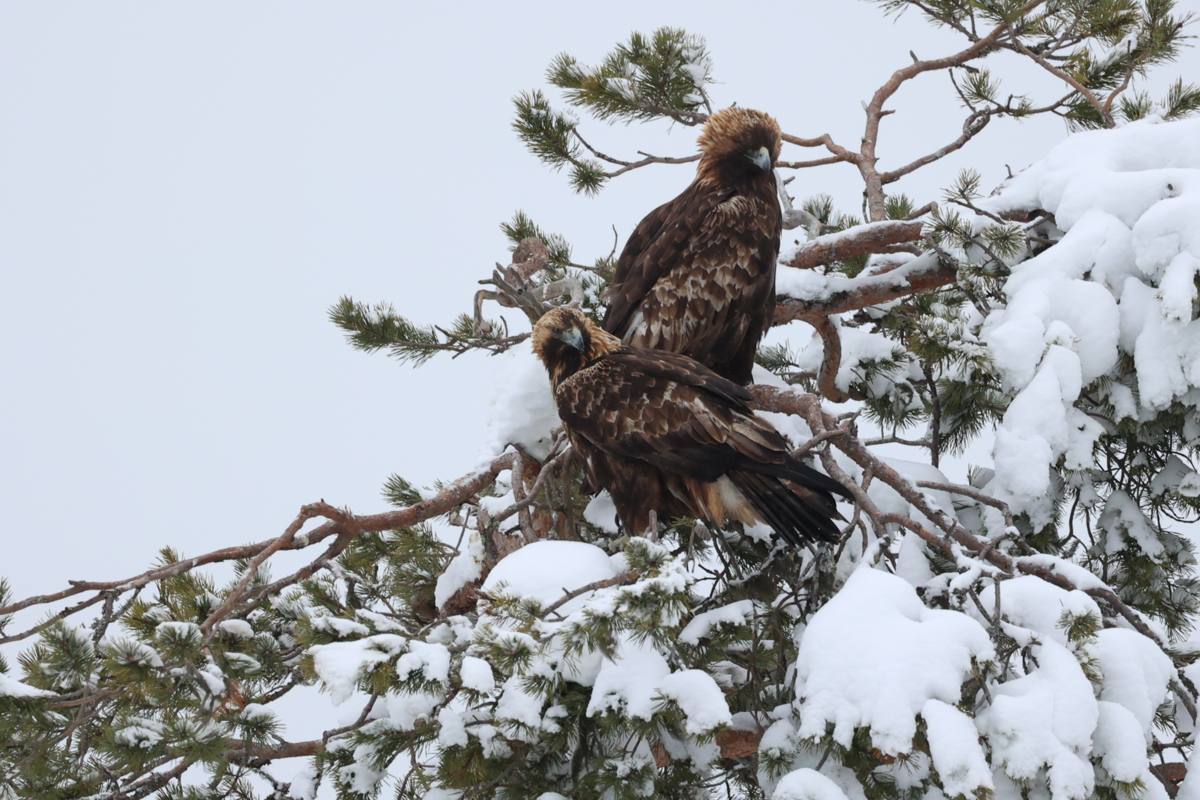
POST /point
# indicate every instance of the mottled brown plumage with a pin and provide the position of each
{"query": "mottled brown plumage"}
(663, 433)
(697, 275)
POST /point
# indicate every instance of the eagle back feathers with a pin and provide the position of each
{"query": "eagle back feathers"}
(697, 275)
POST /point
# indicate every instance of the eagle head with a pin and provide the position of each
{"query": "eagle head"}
(566, 341)
(738, 143)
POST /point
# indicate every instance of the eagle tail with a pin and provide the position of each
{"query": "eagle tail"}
(797, 513)
(810, 478)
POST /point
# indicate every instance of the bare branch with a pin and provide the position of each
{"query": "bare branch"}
(831, 361)
(1105, 113)
(972, 127)
(339, 523)
(974, 494)
(875, 111)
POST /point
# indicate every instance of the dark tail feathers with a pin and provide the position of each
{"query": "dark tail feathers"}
(801, 512)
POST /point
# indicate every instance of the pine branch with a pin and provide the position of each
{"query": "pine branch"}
(340, 525)
(929, 271)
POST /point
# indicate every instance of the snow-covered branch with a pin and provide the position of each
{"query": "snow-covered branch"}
(806, 294)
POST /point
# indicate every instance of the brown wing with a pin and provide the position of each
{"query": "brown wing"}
(670, 412)
(658, 428)
(653, 250)
(698, 277)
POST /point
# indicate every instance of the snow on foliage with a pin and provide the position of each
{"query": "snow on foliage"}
(544, 571)
(637, 680)
(874, 655)
(522, 410)
(1120, 283)
(339, 665)
(10, 687)
(465, 568)
(949, 646)
(807, 784)
(955, 750)
(1044, 720)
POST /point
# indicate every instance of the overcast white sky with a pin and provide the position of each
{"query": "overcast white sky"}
(186, 187)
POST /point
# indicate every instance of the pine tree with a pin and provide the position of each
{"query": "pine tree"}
(1021, 633)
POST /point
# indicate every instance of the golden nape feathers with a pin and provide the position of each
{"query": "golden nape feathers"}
(732, 132)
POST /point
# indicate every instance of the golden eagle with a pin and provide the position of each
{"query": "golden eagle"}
(697, 275)
(663, 433)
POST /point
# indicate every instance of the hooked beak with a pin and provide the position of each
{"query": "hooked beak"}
(573, 337)
(761, 158)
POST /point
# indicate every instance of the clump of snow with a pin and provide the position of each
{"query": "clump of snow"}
(131, 651)
(602, 513)
(177, 630)
(1190, 788)
(432, 661)
(11, 687)
(406, 711)
(518, 705)
(627, 681)
(955, 749)
(339, 665)
(463, 570)
(1137, 673)
(735, 613)
(1122, 519)
(874, 655)
(237, 628)
(1045, 720)
(256, 711)
(338, 626)
(1119, 742)
(1120, 281)
(140, 733)
(860, 346)
(698, 697)
(637, 680)
(545, 571)
(912, 562)
(476, 674)
(304, 783)
(523, 410)
(807, 784)
(1033, 604)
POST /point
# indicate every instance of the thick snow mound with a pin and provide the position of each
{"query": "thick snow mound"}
(1137, 674)
(637, 682)
(523, 410)
(545, 571)
(1121, 281)
(1030, 605)
(1087, 155)
(874, 656)
(957, 754)
(807, 784)
(1045, 720)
